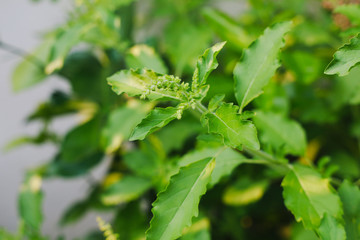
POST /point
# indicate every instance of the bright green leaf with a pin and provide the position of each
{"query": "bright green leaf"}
(157, 118)
(205, 65)
(236, 131)
(331, 229)
(345, 58)
(259, 63)
(138, 82)
(304, 194)
(285, 135)
(215, 102)
(176, 206)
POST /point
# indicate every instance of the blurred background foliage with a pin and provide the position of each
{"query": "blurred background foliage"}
(101, 37)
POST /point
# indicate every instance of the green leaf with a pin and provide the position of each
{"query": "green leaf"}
(157, 118)
(30, 201)
(259, 63)
(345, 58)
(120, 124)
(331, 229)
(74, 212)
(65, 40)
(283, 134)
(205, 65)
(226, 158)
(32, 69)
(215, 102)
(143, 163)
(199, 230)
(350, 197)
(143, 56)
(85, 73)
(175, 207)
(352, 11)
(236, 131)
(179, 132)
(124, 190)
(138, 82)
(184, 42)
(305, 192)
(81, 141)
(130, 222)
(227, 28)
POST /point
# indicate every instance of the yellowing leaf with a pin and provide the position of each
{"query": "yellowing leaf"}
(309, 197)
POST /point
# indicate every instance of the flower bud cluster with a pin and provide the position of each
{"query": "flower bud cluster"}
(166, 83)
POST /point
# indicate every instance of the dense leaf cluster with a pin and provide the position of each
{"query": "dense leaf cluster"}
(256, 137)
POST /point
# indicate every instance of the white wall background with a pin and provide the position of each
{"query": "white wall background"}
(21, 24)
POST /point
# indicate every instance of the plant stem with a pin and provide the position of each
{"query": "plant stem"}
(21, 53)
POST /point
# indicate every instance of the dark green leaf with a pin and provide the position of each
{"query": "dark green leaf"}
(176, 206)
(285, 135)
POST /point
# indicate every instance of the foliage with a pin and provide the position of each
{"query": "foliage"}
(205, 142)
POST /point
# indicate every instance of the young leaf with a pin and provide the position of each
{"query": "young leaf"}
(157, 118)
(259, 63)
(283, 134)
(143, 56)
(236, 131)
(331, 229)
(205, 65)
(175, 207)
(345, 58)
(304, 194)
(138, 82)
